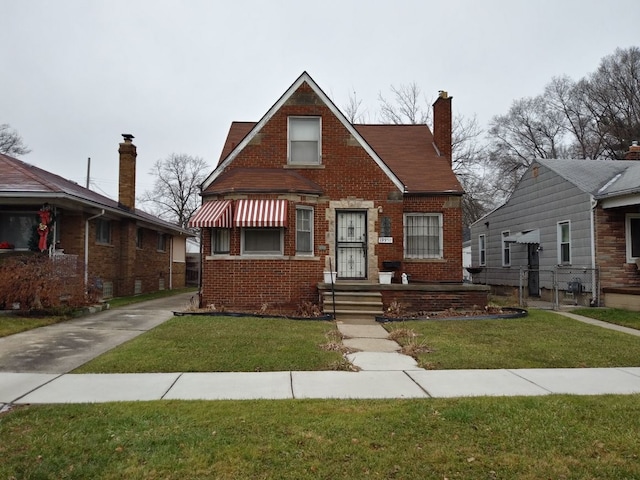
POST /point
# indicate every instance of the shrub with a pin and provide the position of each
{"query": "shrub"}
(37, 282)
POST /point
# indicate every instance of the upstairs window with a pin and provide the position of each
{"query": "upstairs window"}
(304, 140)
(482, 250)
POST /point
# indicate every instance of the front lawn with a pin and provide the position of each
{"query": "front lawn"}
(227, 344)
(543, 339)
(197, 343)
(626, 318)
(525, 438)
(10, 324)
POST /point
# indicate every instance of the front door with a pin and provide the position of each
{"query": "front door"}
(351, 245)
(534, 272)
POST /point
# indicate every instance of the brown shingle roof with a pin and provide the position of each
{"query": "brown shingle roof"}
(408, 150)
(262, 180)
(23, 180)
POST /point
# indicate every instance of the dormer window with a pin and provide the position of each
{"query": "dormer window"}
(304, 140)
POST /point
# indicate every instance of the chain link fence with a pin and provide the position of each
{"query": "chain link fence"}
(544, 287)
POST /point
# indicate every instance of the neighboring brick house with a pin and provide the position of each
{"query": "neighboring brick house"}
(577, 218)
(303, 191)
(118, 248)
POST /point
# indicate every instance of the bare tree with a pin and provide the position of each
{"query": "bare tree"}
(531, 129)
(11, 142)
(176, 188)
(353, 110)
(568, 99)
(408, 106)
(612, 95)
(405, 106)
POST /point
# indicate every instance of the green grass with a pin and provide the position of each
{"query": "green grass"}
(541, 340)
(123, 301)
(10, 324)
(626, 318)
(526, 438)
(223, 344)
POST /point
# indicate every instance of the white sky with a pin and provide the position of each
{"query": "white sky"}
(76, 73)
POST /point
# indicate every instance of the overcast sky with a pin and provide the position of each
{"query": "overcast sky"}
(77, 73)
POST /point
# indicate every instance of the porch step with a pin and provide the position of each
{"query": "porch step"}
(353, 307)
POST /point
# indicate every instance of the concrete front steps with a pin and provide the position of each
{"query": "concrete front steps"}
(358, 308)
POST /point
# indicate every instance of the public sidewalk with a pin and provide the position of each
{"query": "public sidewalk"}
(34, 388)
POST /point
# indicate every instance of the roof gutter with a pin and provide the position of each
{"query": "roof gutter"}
(86, 247)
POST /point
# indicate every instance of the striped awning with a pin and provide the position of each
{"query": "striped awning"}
(216, 214)
(261, 213)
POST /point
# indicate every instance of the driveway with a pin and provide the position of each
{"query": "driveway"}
(65, 346)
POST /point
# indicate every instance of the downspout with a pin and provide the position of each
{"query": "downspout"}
(171, 264)
(596, 291)
(86, 247)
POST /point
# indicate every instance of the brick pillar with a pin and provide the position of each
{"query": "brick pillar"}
(443, 124)
(633, 153)
(127, 178)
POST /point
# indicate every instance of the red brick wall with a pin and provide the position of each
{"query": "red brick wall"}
(611, 249)
(120, 262)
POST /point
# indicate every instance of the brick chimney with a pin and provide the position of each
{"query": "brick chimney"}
(634, 152)
(442, 124)
(127, 178)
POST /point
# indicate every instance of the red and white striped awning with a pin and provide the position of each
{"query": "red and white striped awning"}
(216, 214)
(261, 213)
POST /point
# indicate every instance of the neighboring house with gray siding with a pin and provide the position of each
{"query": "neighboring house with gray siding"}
(574, 222)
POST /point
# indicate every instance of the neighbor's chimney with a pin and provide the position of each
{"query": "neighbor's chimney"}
(127, 178)
(634, 152)
(442, 124)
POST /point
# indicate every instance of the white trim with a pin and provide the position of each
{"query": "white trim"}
(304, 78)
(559, 242)
(439, 216)
(627, 235)
(503, 243)
(311, 229)
(274, 253)
(482, 248)
(319, 157)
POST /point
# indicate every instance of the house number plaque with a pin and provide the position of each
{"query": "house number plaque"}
(385, 239)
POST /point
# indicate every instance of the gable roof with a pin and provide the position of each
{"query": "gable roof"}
(399, 165)
(604, 179)
(25, 182)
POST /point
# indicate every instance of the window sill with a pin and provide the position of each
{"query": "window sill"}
(304, 166)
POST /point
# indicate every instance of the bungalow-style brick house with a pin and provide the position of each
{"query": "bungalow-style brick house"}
(579, 219)
(303, 191)
(118, 248)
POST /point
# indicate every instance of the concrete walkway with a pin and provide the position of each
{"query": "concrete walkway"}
(384, 372)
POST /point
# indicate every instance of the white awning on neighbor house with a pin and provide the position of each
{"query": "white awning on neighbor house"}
(525, 237)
